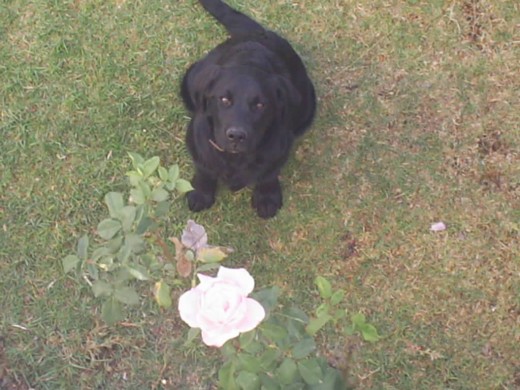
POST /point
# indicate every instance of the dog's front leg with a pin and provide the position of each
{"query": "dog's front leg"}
(267, 198)
(203, 195)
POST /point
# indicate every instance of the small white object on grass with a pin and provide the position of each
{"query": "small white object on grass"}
(438, 227)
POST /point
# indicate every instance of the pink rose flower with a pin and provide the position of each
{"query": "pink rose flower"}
(220, 307)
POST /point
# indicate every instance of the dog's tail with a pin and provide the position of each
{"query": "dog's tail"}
(235, 22)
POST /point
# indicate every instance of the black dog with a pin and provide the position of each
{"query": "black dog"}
(249, 98)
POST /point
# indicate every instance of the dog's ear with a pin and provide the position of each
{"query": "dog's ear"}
(199, 83)
(286, 92)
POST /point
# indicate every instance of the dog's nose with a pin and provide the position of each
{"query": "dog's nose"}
(236, 134)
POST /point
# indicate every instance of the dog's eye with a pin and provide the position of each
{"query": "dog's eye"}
(259, 106)
(226, 102)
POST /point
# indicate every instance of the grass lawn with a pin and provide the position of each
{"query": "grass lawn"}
(419, 122)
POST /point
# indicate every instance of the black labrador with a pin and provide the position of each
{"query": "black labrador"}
(249, 98)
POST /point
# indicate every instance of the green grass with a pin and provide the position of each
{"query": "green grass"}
(418, 122)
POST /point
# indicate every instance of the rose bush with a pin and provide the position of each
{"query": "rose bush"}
(220, 306)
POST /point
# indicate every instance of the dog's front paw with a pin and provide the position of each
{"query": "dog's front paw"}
(198, 200)
(266, 204)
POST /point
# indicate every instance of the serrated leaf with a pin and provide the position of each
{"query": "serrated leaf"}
(287, 372)
(248, 362)
(248, 381)
(135, 242)
(268, 297)
(162, 209)
(226, 376)
(246, 338)
(183, 186)
(160, 195)
(82, 248)
(111, 311)
(310, 371)
(273, 332)
(108, 228)
(316, 324)
(150, 165)
(101, 288)
(162, 294)
(92, 270)
(304, 348)
(268, 359)
(214, 254)
(100, 252)
(324, 287)
(126, 295)
(115, 203)
(70, 262)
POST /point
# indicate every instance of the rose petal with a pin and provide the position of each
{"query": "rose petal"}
(255, 313)
(189, 305)
(206, 282)
(238, 276)
(218, 337)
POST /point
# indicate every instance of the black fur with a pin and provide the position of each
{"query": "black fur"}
(249, 98)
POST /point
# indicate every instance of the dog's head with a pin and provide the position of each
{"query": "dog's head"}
(242, 105)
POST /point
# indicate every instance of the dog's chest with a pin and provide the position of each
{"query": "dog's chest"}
(240, 172)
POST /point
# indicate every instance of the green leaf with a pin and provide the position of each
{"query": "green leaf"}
(173, 173)
(268, 297)
(137, 196)
(163, 173)
(127, 217)
(159, 195)
(115, 203)
(304, 348)
(92, 270)
(369, 333)
(337, 297)
(207, 267)
(310, 371)
(273, 332)
(126, 295)
(162, 294)
(135, 242)
(226, 376)
(70, 262)
(249, 363)
(268, 359)
(162, 209)
(358, 320)
(137, 159)
(111, 311)
(82, 249)
(193, 333)
(324, 287)
(322, 309)
(134, 177)
(248, 381)
(101, 288)
(100, 252)
(108, 228)
(138, 271)
(149, 166)
(246, 338)
(287, 372)
(213, 254)
(269, 383)
(253, 347)
(316, 324)
(183, 186)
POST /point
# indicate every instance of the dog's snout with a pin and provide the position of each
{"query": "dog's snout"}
(236, 134)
